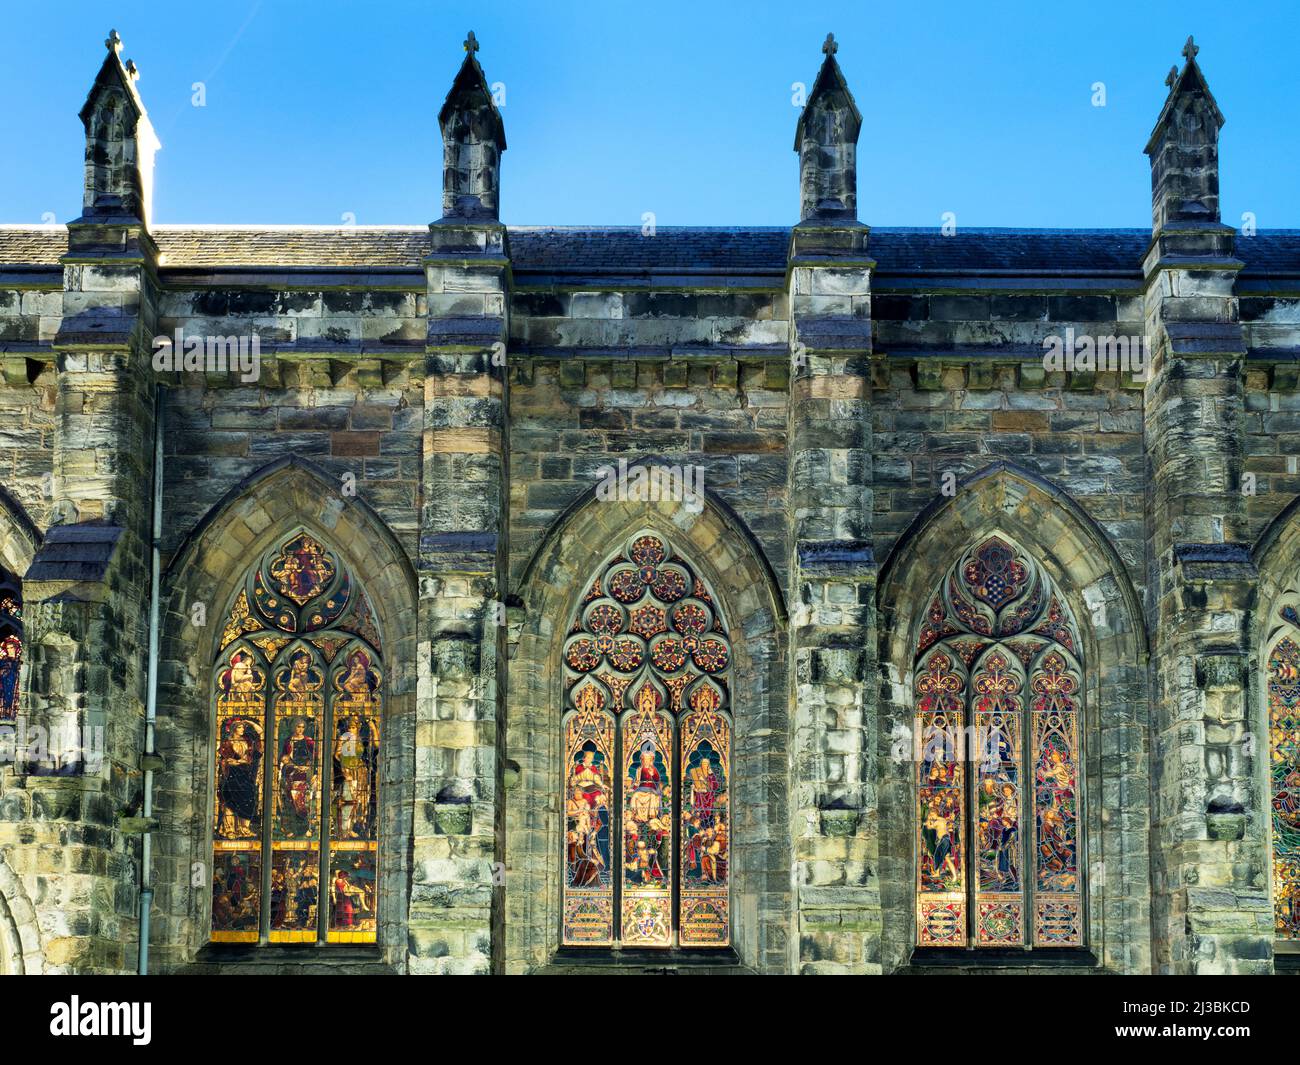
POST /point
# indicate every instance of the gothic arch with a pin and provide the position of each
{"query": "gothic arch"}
(1280, 539)
(284, 497)
(724, 512)
(19, 541)
(19, 538)
(20, 939)
(1084, 567)
(725, 555)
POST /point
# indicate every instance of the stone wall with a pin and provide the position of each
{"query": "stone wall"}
(445, 405)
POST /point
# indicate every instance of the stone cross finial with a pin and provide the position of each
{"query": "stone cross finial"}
(829, 46)
(1190, 49)
(1171, 77)
(471, 45)
(113, 42)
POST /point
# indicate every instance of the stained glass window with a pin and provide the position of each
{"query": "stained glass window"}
(647, 757)
(298, 694)
(998, 684)
(11, 644)
(1284, 776)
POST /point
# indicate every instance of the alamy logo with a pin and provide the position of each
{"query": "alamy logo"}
(1086, 353)
(652, 484)
(79, 1018)
(57, 749)
(181, 354)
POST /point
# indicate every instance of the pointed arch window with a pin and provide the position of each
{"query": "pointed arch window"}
(647, 772)
(1283, 695)
(298, 697)
(998, 683)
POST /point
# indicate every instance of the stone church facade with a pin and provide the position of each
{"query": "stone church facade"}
(815, 493)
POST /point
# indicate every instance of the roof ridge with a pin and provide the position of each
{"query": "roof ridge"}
(341, 228)
(658, 229)
(286, 227)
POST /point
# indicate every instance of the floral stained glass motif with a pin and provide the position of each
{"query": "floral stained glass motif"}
(647, 757)
(998, 691)
(298, 712)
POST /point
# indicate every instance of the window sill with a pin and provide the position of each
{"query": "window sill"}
(288, 959)
(642, 962)
(932, 959)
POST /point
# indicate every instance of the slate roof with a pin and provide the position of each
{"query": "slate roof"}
(683, 250)
(32, 245)
(292, 246)
(80, 552)
(623, 248)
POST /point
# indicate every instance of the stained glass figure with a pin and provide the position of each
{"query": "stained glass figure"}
(11, 644)
(647, 757)
(237, 820)
(998, 685)
(588, 798)
(997, 713)
(1055, 758)
(705, 821)
(647, 821)
(11, 664)
(299, 713)
(941, 899)
(297, 681)
(1284, 779)
(353, 820)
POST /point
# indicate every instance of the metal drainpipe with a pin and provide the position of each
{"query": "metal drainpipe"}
(149, 759)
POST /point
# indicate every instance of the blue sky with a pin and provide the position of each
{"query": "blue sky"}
(317, 110)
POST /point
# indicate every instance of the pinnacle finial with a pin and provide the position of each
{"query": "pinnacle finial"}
(1171, 77)
(471, 44)
(829, 46)
(1190, 49)
(113, 42)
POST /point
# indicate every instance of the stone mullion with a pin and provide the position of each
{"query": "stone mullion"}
(832, 593)
(455, 897)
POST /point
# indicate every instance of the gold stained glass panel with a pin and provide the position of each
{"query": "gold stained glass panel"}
(296, 765)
